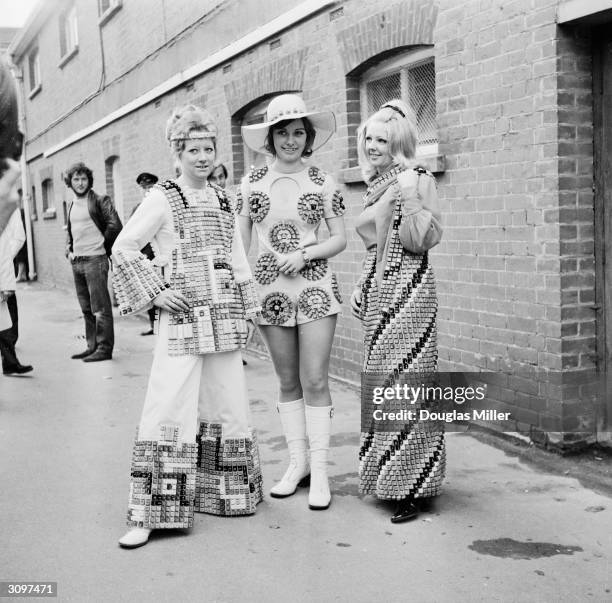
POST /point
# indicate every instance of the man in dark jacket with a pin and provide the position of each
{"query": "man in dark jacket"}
(93, 226)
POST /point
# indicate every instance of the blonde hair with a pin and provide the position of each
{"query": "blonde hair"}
(401, 133)
(186, 123)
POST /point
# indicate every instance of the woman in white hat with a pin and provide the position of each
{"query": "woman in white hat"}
(286, 201)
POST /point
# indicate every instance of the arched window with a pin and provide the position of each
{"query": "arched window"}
(411, 77)
(48, 196)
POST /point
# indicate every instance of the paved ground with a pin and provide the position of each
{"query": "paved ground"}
(502, 531)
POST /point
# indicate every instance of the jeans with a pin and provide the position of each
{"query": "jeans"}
(91, 282)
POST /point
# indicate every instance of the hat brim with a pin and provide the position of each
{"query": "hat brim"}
(324, 123)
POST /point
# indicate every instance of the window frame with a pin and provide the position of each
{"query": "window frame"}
(35, 86)
(112, 175)
(33, 207)
(106, 13)
(48, 205)
(374, 68)
(401, 63)
(69, 34)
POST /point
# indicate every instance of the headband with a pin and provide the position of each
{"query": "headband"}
(194, 135)
(394, 108)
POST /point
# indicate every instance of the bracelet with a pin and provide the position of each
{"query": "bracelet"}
(305, 256)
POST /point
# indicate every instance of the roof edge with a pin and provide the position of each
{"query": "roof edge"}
(29, 31)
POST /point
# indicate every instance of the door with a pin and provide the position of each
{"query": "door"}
(602, 121)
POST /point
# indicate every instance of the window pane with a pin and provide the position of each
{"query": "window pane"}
(74, 35)
(33, 68)
(47, 194)
(63, 40)
(422, 98)
(380, 91)
(33, 208)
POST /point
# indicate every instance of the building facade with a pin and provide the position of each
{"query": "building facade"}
(510, 98)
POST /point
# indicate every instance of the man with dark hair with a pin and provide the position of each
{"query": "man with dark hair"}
(93, 226)
(219, 175)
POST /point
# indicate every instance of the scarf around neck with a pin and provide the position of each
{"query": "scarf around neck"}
(379, 184)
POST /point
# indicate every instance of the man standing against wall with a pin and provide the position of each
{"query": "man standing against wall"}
(93, 226)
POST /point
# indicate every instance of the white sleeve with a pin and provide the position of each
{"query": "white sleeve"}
(135, 279)
(143, 225)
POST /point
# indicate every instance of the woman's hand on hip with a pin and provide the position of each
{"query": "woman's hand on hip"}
(292, 263)
(356, 298)
(171, 300)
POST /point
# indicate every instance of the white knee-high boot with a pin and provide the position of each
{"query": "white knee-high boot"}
(318, 426)
(293, 422)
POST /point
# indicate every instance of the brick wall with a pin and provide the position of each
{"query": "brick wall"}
(498, 266)
(515, 271)
(576, 205)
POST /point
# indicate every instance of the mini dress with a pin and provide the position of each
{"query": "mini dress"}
(287, 210)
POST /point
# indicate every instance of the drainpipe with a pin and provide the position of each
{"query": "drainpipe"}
(25, 185)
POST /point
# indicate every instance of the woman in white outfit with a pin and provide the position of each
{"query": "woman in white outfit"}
(194, 449)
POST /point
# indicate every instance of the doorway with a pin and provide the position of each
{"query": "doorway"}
(602, 139)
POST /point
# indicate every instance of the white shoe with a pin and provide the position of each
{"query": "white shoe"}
(318, 425)
(293, 422)
(134, 538)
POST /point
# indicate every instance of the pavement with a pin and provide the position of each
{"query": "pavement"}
(503, 530)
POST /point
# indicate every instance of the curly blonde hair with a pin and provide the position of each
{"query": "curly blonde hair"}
(184, 122)
(401, 132)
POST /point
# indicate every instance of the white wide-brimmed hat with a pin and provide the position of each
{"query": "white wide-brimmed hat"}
(289, 106)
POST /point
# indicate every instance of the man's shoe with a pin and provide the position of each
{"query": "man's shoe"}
(406, 510)
(134, 538)
(97, 356)
(18, 369)
(149, 332)
(82, 354)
